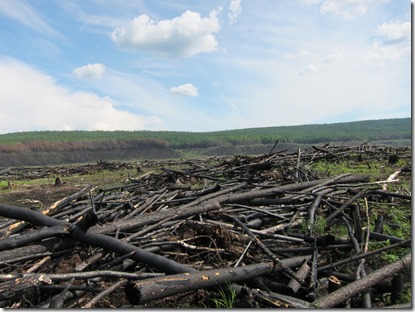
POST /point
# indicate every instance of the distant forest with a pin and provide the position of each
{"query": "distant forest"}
(370, 130)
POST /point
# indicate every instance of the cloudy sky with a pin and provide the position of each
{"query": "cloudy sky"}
(201, 65)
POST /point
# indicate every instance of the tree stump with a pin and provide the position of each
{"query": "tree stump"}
(58, 181)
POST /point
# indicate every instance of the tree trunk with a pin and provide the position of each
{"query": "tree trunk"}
(160, 287)
(360, 285)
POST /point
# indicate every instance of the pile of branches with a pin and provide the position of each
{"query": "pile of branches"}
(238, 225)
(30, 173)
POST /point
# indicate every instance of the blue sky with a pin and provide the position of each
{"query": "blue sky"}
(201, 65)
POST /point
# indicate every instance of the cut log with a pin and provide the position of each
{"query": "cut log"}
(157, 288)
(360, 285)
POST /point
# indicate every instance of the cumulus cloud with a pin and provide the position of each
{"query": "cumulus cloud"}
(185, 89)
(45, 105)
(90, 71)
(394, 31)
(348, 9)
(309, 69)
(393, 42)
(185, 35)
(234, 10)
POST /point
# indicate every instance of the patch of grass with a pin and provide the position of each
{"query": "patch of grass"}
(405, 296)
(226, 299)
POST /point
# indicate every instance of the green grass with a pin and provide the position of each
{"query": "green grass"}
(226, 299)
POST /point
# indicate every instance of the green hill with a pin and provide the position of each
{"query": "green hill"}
(24, 146)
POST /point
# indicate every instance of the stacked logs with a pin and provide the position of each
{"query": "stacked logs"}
(249, 225)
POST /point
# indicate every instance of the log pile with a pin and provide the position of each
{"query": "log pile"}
(30, 173)
(247, 225)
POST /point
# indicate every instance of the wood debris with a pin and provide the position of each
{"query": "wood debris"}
(247, 224)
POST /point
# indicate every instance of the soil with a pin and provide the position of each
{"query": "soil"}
(38, 196)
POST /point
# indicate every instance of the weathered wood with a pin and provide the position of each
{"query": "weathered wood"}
(160, 287)
(20, 286)
(31, 237)
(360, 285)
(301, 274)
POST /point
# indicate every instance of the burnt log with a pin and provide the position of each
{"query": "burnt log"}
(348, 291)
(160, 287)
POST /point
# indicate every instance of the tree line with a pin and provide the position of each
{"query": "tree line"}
(369, 130)
(93, 145)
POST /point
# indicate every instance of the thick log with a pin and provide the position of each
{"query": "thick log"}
(301, 274)
(160, 287)
(45, 246)
(360, 285)
(18, 287)
(31, 237)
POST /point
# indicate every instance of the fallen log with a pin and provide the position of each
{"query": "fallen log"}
(31, 237)
(45, 247)
(160, 287)
(365, 282)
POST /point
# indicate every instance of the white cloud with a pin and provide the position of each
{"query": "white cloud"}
(308, 70)
(382, 52)
(90, 71)
(185, 89)
(186, 35)
(348, 9)
(333, 58)
(45, 105)
(310, 2)
(234, 10)
(298, 55)
(26, 15)
(394, 42)
(394, 31)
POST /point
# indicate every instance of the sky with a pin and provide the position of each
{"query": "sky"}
(187, 65)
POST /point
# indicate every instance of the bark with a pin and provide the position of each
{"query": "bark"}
(31, 237)
(18, 287)
(360, 285)
(301, 274)
(157, 288)
(42, 248)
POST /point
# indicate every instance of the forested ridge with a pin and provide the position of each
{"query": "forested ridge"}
(369, 130)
